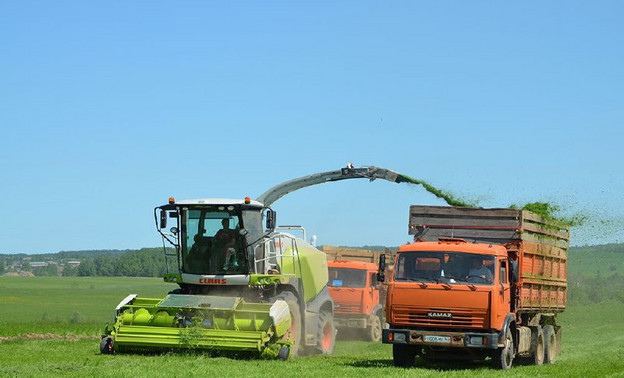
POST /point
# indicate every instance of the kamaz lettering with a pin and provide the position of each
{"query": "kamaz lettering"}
(440, 315)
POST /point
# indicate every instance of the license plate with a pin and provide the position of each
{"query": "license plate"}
(437, 339)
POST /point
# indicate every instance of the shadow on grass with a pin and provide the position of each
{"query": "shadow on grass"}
(192, 352)
(371, 363)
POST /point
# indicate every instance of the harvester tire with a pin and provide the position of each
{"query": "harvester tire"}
(374, 332)
(295, 319)
(326, 334)
(284, 353)
(550, 345)
(106, 345)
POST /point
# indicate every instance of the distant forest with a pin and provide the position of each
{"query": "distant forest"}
(146, 262)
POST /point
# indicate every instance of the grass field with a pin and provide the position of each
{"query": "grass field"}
(51, 326)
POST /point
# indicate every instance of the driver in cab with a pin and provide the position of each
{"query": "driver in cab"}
(479, 271)
(226, 237)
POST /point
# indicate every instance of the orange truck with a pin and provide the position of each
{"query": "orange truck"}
(477, 283)
(358, 295)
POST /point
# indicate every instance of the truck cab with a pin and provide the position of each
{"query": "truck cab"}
(447, 295)
(358, 297)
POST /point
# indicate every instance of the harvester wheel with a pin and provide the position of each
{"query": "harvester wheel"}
(106, 345)
(538, 337)
(284, 353)
(295, 321)
(326, 335)
(374, 332)
(550, 345)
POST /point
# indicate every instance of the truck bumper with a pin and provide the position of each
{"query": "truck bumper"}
(479, 340)
(350, 322)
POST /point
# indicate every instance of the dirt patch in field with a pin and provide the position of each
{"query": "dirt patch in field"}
(46, 336)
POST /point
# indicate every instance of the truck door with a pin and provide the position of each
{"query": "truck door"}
(502, 292)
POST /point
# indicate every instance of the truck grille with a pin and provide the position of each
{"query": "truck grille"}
(347, 308)
(419, 317)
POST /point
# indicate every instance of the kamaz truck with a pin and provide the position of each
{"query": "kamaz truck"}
(358, 296)
(475, 284)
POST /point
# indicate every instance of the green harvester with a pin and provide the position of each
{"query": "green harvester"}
(243, 286)
(240, 288)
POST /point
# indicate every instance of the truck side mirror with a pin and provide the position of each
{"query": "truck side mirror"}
(270, 219)
(513, 272)
(381, 276)
(163, 219)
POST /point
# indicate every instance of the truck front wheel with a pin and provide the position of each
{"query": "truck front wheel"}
(403, 355)
(374, 332)
(550, 345)
(505, 355)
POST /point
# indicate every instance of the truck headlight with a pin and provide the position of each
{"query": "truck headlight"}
(477, 340)
(399, 337)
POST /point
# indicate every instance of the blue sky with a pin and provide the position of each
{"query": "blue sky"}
(107, 109)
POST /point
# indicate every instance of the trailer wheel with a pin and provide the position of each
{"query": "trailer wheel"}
(374, 332)
(505, 355)
(550, 345)
(403, 355)
(538, 357)
(295, 321)
(326, 335)
(106, 345)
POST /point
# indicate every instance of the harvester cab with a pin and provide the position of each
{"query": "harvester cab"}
(219, 242)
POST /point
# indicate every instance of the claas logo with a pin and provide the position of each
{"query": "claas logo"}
(213, 281)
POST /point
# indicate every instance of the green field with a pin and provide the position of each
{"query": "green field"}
(51, 326)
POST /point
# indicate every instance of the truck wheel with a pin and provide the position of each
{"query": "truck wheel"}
(106, 345)
(326, 335)
(294, 332)
(403, 355)
(550, 345)
(538, 357)
(505, 355)
(374, 332)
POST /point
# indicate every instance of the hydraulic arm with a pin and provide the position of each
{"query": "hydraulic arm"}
(349, 172)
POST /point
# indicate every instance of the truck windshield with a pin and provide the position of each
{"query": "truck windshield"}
(446, 267)
(346, 277)
(212, 243)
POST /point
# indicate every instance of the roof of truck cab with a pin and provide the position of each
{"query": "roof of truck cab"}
(351, 264)
(454, 246)
(218, 201)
